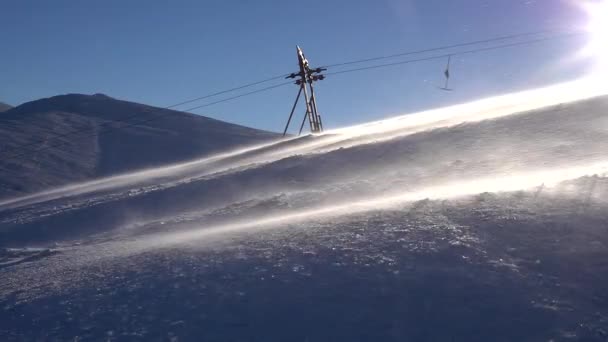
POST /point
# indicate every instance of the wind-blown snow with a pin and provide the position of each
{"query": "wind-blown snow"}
(502, 190)
(399, 126)
(502, 143)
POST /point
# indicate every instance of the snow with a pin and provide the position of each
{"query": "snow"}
(475, 222)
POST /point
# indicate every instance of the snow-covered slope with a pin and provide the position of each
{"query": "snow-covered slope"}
(69, 138)
(483, 221)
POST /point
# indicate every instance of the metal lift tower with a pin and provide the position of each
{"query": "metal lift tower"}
(305, 79)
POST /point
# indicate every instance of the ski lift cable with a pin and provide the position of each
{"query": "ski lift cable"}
(229, 90)
(238, 96)
(442, 56)
(447, 47)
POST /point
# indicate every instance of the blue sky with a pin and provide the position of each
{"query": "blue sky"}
(164, 52)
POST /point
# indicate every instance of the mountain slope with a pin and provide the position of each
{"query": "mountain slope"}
(40, 150)
(472, 223)
(336, 169)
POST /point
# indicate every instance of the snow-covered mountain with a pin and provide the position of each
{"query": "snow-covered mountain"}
(482, 221)
(69, 138)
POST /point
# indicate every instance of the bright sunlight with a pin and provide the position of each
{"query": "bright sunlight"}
(597, 26)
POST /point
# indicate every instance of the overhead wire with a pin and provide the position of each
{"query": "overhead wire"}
(446, 47)
(239, 96)
(229, 90)
(456, 53)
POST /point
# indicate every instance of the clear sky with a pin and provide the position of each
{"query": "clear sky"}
(163, 52)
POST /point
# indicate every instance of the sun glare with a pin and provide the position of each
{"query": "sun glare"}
(597, 48)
